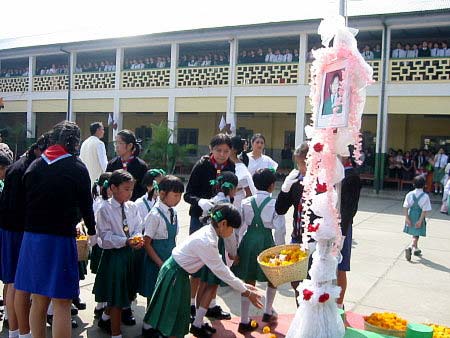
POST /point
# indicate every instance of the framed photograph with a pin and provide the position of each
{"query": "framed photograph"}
(334, 97)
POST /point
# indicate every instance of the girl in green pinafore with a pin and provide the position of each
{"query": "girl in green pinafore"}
(258, 219)
(416, 205)
(160, 231)
(206, 296)
(168, 311)
(118, 226)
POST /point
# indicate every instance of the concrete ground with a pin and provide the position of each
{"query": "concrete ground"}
(381, 279)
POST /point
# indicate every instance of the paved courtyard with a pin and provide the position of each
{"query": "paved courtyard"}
(381, 279)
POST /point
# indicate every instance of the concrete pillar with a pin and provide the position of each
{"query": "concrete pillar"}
(31, 116)
(73, 63)
(230, 113)
(117, 114)
(301, 93)
(172, 115)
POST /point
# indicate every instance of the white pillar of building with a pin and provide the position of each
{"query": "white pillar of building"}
(230, 113)
(302, 91)
(117, 114)
(172, 115)
(73, 64)
(31, 116)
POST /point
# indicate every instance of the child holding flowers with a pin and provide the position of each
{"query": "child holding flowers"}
(416, 205)
(258, 219)
(118, 225)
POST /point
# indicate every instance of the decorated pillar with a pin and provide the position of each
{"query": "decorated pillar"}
(339, 76)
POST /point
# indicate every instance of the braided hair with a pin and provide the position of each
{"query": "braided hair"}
(66, 134)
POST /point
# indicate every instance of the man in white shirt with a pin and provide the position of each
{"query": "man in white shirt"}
(399, 52)
(269, 55)
(367, 54)
(287, 56)
(410, 53)
(445, 49)
(93, 152)
(435, 50)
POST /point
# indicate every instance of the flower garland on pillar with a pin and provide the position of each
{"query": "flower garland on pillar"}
(317, 315)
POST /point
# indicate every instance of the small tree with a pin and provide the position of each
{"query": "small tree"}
(160, 153)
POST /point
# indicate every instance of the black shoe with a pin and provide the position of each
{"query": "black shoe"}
(417, 252)
(269, 318)
(74, 324)
(209, 328)
(1, 302)
(98, 313)
(200, 332)
(105, 325)
(73, 311)
(79, 304)
(150, 333)
(193, 311)
(244, 328)
(408, 252)
(50, 320)
(217, 313)
(127, 317)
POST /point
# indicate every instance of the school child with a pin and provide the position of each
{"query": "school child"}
(118, 226)
(160, 231)
(445, 199)
(168, 311)
(12, 222)
(416, 205)
(100, 194)
(206, 296)
(198, 194)
(258, 219)
(150, 181)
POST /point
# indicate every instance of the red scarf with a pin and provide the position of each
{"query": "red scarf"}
(53, 152)
(219, 167)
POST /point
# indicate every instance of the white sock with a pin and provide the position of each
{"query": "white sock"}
(26, 335)
(105, 316)
(201, 312)
(213, 303)
(270, 296)
(50, 309)
(99, 306)
(119, 336)
(5, 314)
(193, 301)
(146, 326)
(245, 307)
(13, 334)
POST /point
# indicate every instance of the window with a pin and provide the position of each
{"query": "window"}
(143, 133)
(188, 136)
(289, 138)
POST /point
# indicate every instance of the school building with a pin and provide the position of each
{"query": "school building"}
(407, 106)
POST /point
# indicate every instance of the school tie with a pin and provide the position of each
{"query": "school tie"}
(171, 215)
(124, 221)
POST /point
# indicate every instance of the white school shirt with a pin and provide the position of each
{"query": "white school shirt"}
(142, 206)
(398, 54)
(268, 57)
(260, 163)
(440, 52)
(110, 226)
(367, 55)
(424, 202)
(440, 160)
(96, 205)
(447, 52)
(245, 180)
(410, 54)
(288, 57)
(154, 224)
(201, 249)
(269, 216)
(434, 52)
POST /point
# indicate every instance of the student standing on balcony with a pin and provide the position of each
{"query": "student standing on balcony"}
(257, 159)
(377, 52)
(424, 51)
(434, 52)
(399, 52)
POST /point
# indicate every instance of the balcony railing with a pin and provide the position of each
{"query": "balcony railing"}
(14, 84)
(203, 76)
(46, 83)
(97, 80)
(146, 78)
(267, 74)
(419, 69)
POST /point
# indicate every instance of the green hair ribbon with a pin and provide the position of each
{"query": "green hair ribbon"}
(272, 170)
(217, 216)
(157, 172)
(216, 181)
(227, 185)
(106, 184)
(155, 186)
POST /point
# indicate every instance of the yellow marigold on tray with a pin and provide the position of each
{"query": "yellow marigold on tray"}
(82, 238)
(272, 335)
(253, 324)
(285, 257)
(266, 329)
(387, 320)
(440, 331)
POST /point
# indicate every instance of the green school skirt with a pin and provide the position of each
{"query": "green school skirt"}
(114, 282)
(96, 254)
(256, 240)
(169, 308)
